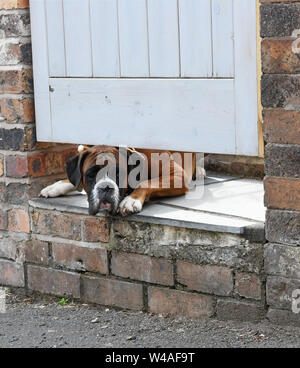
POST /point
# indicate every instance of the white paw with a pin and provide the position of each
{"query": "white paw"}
(130, 205)
(57, 189)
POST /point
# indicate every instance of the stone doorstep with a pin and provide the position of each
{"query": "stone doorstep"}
(223, 208)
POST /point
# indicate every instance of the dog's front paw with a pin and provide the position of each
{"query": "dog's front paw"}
(130, 205)
(57, 189)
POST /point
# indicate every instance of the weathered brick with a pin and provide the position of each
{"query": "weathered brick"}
(54, 163)
(279, 20)
(181, 303)
(16, 81)
(17, 193)
(242, 166)
(248, 285)
(143, 268)
(282, 193)
(3, 219)
(95, 229)
(239, 311)
(16, 166)
(278, 57)
(208, 279)
(37, 165)
(112, 292)
(10, 245)
(59, 224)
(283, 226)
(56, 282)
(14, 25)
(282, 160)
(12, 273)
(17, 110)
(14, 4)
(278, 90)
(279, 292)
(11, 139)
(281, 126)
(195, 246)
(80, 258)
(26, 53)
(36, 251)
(18, 221)
(10, 54)
(283, 317)
(282, 260)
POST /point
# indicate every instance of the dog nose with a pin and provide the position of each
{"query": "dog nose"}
(106, 189)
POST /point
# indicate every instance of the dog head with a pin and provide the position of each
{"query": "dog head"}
(102, 171)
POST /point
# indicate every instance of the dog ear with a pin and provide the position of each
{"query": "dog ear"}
(74, 168)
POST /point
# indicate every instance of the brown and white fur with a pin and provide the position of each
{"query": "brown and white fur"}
(107, 194)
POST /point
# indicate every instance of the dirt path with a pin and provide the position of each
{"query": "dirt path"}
(44, 322)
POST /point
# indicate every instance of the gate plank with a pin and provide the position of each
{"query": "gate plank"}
(246, 100)
(133, 38)
(56, 42)
(41, 72)
(195, 38)
(77, 38)
(105, 43)
(163, 38)
(178, 114)
(222, 24)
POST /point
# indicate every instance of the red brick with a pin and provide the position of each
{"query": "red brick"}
(14, 4)
(248, 285)
(16, 166)
(12, 273)
(81, 258)
(17, 110)
(18, 221)
(16, 81)
(36, 165)
(208, 279)
(112, 292)
(56, 224)
(281, 126)
(282, 193)
(143, 268)
(54, 163)
(278, 57)
(36, 251)
(96, 230)
(55, 282)
(175, 302)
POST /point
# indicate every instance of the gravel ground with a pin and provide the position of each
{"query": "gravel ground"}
(44, 322)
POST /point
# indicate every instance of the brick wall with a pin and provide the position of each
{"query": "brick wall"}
(140, 266)
(25, 164)
(280, 32)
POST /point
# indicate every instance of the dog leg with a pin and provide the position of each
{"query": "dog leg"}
(57, 189)
(155, 188)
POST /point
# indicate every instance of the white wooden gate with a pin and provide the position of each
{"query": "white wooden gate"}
(170, 74)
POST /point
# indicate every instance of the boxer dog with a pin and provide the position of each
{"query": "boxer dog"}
(110, 178)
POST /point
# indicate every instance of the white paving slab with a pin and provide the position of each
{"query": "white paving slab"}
(242, 198)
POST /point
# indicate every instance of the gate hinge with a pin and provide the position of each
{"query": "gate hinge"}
(51, 89)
